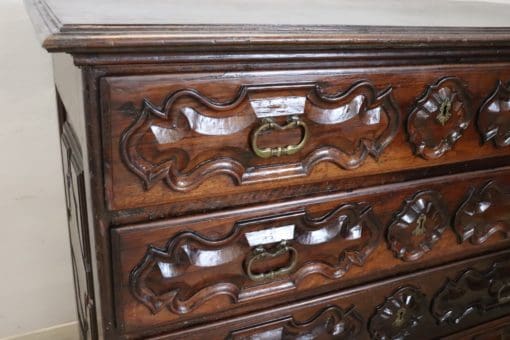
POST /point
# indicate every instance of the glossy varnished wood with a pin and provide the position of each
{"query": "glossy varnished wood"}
(180, 270)
(393, 308)
(384, 148)
(175, 163)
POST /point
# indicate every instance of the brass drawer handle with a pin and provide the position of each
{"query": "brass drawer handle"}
(270, 124)
(260, 254)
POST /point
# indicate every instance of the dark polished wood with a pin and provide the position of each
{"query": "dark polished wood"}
(392, 309)
(245, 173)
(176, 270)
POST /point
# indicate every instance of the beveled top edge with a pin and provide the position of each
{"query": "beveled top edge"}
(82, 38)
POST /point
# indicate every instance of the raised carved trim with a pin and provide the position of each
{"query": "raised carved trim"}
(399, 314)
(473, 291)
(170, 123)
(485, 212)
(439, 117)
(81, 259)
(354, 226)
(418, 226)
(494, 116)
(331, 323)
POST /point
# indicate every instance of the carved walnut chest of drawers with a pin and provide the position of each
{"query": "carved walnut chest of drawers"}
(255, 170)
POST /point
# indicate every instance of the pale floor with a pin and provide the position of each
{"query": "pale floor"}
(68, 331)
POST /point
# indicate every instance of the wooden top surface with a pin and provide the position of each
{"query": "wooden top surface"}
(78, 25)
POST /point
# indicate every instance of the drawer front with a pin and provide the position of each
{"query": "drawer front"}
(181, 138)
(425, 305)
(192, 270)
(498, 329)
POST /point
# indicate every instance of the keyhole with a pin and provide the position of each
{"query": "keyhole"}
(420, 225)
(400, 317)
(444, 112)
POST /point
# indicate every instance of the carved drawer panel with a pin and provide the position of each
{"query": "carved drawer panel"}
(181, 138)
(402, 308)
(201, 268)
(498, 329)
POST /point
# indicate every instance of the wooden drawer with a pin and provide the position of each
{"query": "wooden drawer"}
(498, 329)
(198, 269)
(180, 138)
(424, 305)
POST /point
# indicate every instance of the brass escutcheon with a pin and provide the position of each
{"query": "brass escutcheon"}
(400, 317)
(270, 124)
(260, 254)
(444, 114)
(420, 225)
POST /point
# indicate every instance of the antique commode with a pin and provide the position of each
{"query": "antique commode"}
(256, 170)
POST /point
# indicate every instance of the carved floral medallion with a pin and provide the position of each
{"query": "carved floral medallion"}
(419, 224)
(485, 211)
(439, 117)
(255, 259)
(399, 314)
(494, 116)
(473, 292)
(264, 133)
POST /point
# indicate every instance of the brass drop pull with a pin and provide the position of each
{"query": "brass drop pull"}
(270, 124)
(261, 254)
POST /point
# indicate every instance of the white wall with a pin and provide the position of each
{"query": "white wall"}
(36, 289)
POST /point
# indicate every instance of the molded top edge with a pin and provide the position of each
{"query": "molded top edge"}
(194, 25)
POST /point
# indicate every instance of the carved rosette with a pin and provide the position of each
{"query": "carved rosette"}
(485, 211)
(399, 314)
(473, 291)
(420, 223)
(164, 277)
(439, 117)
(494, 116)
(330, 323)
(342, 128)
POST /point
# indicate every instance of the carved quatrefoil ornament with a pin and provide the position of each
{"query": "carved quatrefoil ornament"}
(494, 116)
(439, 118)
(419, 225)
(399, 314)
